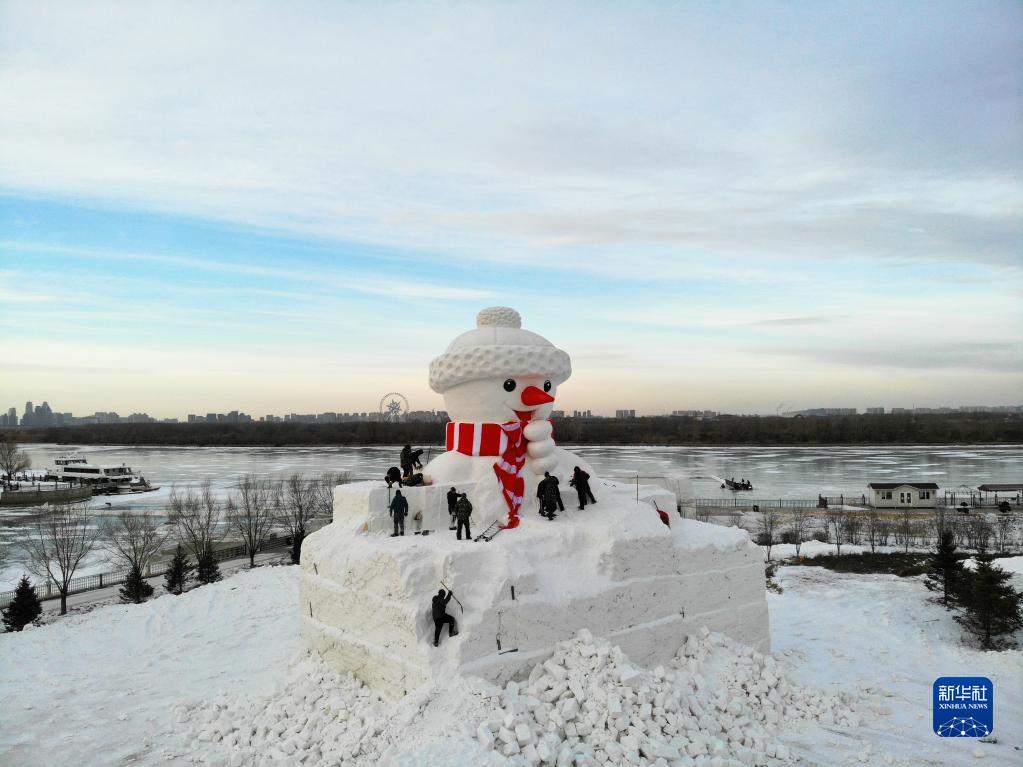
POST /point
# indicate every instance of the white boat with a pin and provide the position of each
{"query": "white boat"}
(75, 467)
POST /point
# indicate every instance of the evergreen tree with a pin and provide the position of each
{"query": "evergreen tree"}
(25, 608)
(207, 570)
(991, 606)
(178, 572)
(944, 571)
(136, 589)
(296, 546)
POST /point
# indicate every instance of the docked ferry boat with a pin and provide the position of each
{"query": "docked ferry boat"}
(74, 467)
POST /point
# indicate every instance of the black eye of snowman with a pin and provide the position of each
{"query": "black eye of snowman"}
(546, 385)
(509, 384)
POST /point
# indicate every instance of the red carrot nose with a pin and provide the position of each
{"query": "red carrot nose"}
(533, 396)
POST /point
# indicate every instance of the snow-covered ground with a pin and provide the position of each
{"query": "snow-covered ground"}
(142, 684)
(99, 688)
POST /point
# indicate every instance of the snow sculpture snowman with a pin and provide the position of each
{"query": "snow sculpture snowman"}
(499, 384)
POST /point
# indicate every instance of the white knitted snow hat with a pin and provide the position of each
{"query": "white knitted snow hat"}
(498, 348)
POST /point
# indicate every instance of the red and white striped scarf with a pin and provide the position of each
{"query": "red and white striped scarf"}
(500, 439)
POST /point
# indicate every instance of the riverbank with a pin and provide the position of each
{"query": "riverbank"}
(655, 431)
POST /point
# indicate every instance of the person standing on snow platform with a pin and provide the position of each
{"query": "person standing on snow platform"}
(557, 490)
(398, 510)
(463, 510)
(547, 492)
(441, 617)
(581, 482)
(406, 461)
(452, 503)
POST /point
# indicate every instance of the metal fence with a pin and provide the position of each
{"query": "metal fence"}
(117, 577)
(743, 503)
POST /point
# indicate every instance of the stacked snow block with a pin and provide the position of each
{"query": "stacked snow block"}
(614, 569)
(368, 503)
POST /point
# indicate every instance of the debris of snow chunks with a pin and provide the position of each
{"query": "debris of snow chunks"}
(720, 703)
(325, 719)
(717, 704)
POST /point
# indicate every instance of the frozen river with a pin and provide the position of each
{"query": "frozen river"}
(775, 472)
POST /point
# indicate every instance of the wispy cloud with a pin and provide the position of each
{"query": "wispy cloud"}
(689, 207)
(364, 123)
(336, 279)
(819, 319)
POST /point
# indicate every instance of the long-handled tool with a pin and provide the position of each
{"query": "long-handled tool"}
(442, 583)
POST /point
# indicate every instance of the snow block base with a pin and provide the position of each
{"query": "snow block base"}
(613, 568)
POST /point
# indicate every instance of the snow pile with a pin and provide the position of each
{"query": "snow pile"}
(717, 703)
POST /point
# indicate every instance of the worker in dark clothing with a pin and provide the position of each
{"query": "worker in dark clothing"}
(441, 617)
(463, 510)
(557, 490)
(416, 463)
(547, 492)
(405, 459)
(452, 503)
(581, 482)
(393, 475)
(398, 511)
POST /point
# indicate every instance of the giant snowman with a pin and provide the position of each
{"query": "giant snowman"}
(500, 383)
(613, 568)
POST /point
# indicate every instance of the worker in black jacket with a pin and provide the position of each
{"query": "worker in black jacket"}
(547, 492)
(463, 510)
(581, 482)
(398, 511)
(452, 504)
(441, 617)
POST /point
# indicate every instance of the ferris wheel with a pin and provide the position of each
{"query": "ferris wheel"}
(394, 407)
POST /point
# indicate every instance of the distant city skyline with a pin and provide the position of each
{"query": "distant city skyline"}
(736, 208)
(42, 415)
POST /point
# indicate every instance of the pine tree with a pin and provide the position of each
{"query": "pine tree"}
(207, 570)
(991, 606)
(25, 608)
(135, 588)
(296, 545)
(178, 572)
(944, 571)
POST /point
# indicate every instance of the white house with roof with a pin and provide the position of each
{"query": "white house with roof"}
(901, 495)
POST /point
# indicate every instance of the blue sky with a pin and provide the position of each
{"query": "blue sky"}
(725, 206)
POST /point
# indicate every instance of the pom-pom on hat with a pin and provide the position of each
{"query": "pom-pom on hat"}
(498, 348)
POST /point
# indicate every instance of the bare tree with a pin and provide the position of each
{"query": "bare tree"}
(767, 526)
(12, 460)
(978, 532)
(839, 526)
(853, 525)
(302, 500)
(134, 539)
(799, 523)
(871, 519)
(250, 513)
(1003, 532)
(326, 497)
(197, 517)
(904, 527)
(58, 543)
